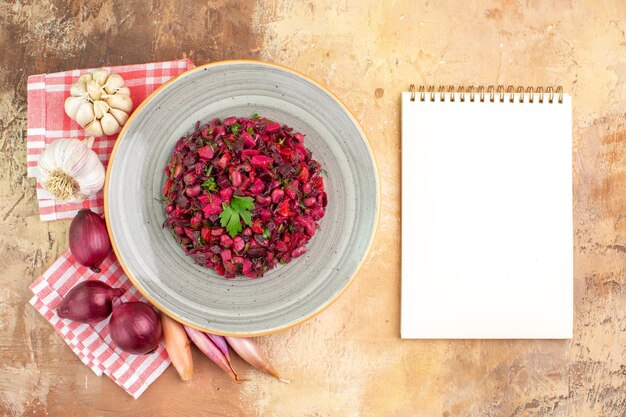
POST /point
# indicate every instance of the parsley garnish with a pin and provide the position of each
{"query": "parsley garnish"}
(267, 233)
(255, 116)
(209, 184)
(250, 130)
(235, 128)
(231, 216)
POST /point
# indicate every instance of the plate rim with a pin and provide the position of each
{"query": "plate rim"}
(324, 306)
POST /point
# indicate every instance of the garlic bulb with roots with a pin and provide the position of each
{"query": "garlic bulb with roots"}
(70, 170)
(99, 102)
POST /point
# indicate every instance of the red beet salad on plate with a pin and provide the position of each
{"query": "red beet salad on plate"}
(243, 195)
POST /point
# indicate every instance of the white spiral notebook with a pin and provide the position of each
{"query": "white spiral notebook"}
(487, 235)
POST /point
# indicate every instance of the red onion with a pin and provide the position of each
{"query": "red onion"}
(88, 302)
(135, 327)
(89, 240)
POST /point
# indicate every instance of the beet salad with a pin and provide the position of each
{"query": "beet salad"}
(243, 195)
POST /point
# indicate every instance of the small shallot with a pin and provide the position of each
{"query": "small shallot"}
(89, 302)
(206, 346)
(177, 346)
(221, 344)
(250, 352)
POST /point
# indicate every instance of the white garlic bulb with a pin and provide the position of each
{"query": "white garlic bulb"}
(70, 170)
(99, 102)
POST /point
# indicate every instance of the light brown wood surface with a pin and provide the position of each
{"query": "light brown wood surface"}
(348, 361)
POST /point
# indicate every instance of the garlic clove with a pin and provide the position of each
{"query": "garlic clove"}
(114, 83)
(100, 76)
(120, 115)
(110, 126)
(120, 101)
(94, 89)
(78, 89)
(86, 77)
(71, 106)
(124, 91)
(85, 114)
(100, 108)
(94, 128)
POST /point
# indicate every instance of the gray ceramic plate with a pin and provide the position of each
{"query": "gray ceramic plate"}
(290, 293)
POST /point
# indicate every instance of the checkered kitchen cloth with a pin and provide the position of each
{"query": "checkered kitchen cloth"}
(93, 344)
(47, 122)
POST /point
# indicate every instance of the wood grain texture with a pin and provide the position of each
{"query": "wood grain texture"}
(349, 361)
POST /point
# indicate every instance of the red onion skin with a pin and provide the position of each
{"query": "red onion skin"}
(89, 239)
(135, 327)
(89, 302)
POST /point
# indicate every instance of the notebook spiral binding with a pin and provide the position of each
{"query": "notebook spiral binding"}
(491, 93)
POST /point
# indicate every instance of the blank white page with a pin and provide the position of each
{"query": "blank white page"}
(487, 239)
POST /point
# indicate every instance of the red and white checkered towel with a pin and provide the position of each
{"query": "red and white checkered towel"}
(93, 344)
(47, 122)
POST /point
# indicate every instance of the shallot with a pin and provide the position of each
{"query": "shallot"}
(206, 346)
(177, 346)
(250, 352)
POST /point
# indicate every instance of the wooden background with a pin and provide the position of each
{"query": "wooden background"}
(349, 361)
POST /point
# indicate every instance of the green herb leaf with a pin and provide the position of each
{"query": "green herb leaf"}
(209, 184)
(234, 226)
(247, 217)
(243, 203)
(255, 116)
(231, 216)
(234, 128)
(267, 233)
(225, 215)
(250, 130)
(208, 170)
